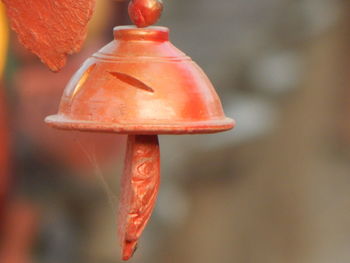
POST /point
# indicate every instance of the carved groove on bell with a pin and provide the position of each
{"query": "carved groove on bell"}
(83, 79)
(130, 80)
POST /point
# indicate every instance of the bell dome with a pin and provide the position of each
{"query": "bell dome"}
(141, 84)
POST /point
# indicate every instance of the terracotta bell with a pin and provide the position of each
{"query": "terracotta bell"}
(142, 85)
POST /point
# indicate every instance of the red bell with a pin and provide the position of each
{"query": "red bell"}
(141, 85)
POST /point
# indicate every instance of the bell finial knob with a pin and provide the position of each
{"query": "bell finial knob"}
(145, 13)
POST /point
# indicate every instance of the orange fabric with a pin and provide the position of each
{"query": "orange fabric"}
(3, 38)
(4, 155)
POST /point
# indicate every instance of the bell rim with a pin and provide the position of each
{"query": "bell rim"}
(152, 33)
(196, 127)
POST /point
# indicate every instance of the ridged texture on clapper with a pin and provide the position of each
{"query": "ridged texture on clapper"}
(140, 184)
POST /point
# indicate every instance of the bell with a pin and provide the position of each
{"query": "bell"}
(140, 85)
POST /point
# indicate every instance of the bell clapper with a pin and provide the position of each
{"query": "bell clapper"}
(139, 189)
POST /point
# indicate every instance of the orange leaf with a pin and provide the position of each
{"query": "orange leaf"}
(51, 29)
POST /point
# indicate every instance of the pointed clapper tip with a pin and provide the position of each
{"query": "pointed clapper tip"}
(128, 250)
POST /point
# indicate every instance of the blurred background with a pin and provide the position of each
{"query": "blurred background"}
(276, 189)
